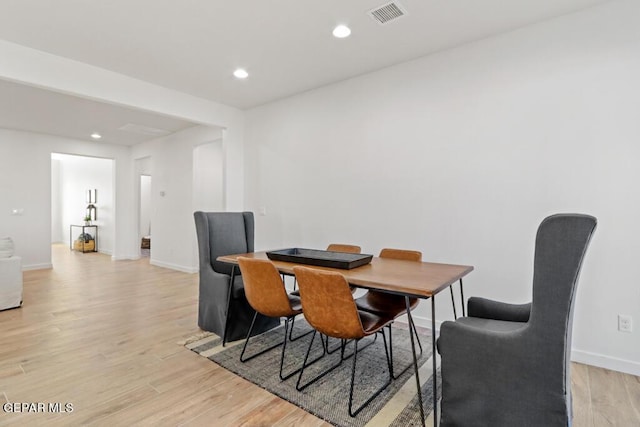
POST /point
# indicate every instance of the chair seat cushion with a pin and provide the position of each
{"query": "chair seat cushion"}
(371, 322)
(296, 305)
(491, 324)
(386, 304)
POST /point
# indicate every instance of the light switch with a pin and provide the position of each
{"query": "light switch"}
(17, 211)
(263, 211)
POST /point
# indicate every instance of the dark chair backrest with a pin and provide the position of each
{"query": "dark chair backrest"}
(561, 243)
(223, 233)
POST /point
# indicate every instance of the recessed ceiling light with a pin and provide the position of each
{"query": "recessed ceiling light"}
(341, 31)
(96, 135)
(240, 73)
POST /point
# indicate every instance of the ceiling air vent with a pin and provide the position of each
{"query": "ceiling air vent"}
(387, 12)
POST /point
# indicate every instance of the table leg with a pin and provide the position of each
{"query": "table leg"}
(462, 298)
(226, 317)
(415, 359)
(433, 358)
(453, 303)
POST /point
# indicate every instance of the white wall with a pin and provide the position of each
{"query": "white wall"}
(461, 155)
(208, 177)
(25, 182)
(75, 175)
(171, 158)
(57, 232)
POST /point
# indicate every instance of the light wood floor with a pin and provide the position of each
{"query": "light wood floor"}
(104, 335)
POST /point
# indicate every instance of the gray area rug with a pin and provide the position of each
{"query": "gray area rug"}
(328, 397)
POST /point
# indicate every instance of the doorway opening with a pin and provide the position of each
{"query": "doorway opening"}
(144, 206)
(82, 195)
(145, 216)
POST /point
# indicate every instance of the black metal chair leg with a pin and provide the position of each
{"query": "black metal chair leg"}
(290, 374)
(244, 348)
(352, 412)
(291, 331)
(342, 345)
(393, 375)
(353, 377)
(375, 338)
(388, 352)
(326, 344)
(284, 347)
(412, 330)
(300, 387)
(291, 337)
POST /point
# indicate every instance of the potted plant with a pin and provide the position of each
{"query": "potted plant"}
(87, 220)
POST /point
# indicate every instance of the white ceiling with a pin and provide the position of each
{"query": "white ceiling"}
(37, 110)
(193, 46)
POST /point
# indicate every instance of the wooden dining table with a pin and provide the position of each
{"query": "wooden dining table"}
(407, 278)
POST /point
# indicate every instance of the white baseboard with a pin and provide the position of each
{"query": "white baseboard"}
(124, 257)
(421, 321)
(173, 266)
(607, 362)
(44, 266)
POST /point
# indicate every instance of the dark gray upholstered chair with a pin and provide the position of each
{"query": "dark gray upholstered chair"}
(508, 365)
(222, 307)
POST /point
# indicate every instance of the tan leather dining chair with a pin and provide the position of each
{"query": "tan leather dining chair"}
(350, 249)
(341, 247)
(334, 247)
(266, 294)
(330, 309)
(394, 306)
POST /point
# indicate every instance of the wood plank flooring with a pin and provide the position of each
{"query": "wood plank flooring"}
(103, 335)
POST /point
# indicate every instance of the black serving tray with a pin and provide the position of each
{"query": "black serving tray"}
(343, 260)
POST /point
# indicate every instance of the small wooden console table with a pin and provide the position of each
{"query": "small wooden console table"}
(86, 246)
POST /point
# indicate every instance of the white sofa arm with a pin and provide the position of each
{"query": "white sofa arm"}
(10, 282)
